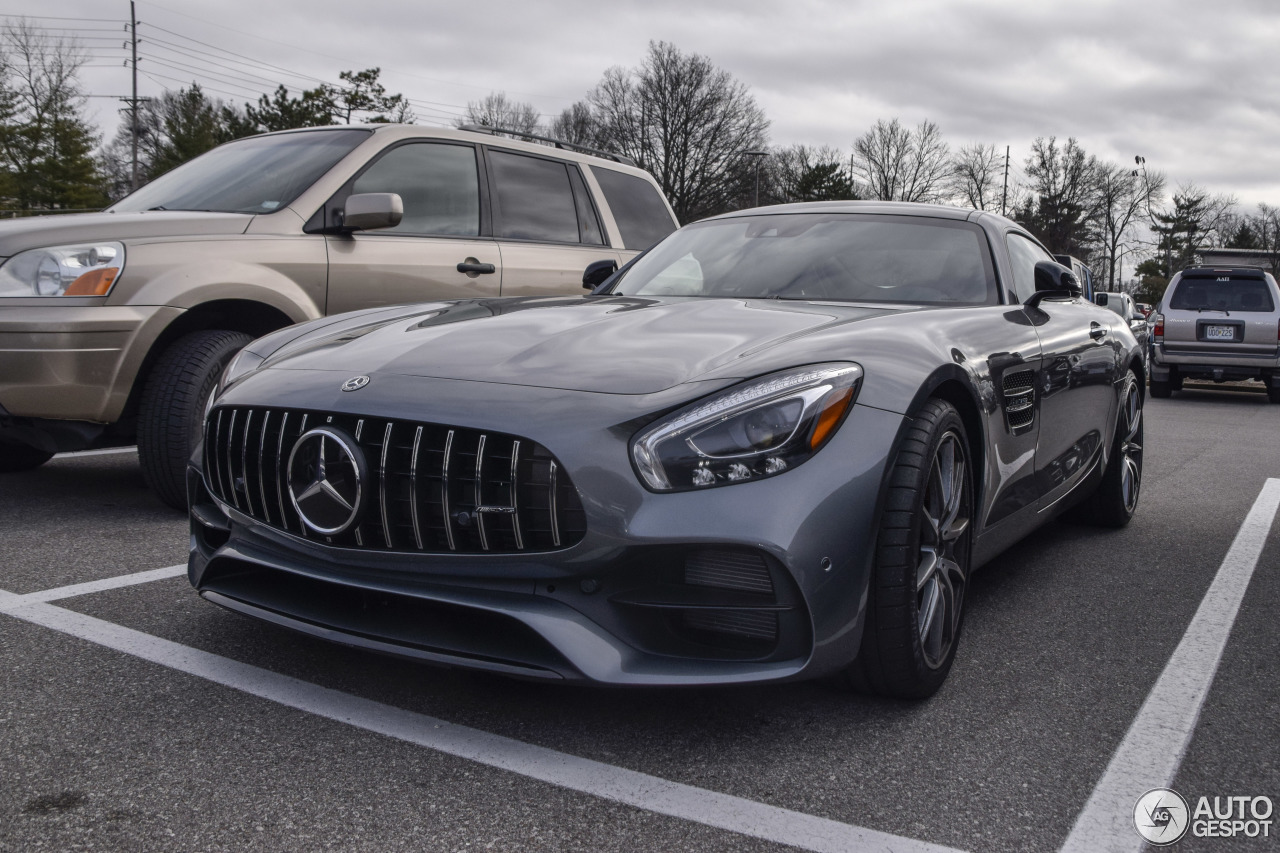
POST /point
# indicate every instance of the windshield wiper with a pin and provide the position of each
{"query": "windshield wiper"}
(157, 207)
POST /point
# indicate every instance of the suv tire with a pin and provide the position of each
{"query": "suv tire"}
(21, 457)
(921, 562)
(169, 415)
(1161, 390)
(1273, 393)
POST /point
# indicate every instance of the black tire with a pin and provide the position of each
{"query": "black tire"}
(1273, 393)
(1161, 390)
(1116, 498)
(172, 406)
(916, 601)
(21, 457)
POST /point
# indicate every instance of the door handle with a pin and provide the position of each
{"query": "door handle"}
(473, 268)
(1096, 330)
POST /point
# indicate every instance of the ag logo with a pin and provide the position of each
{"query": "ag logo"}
(1161, 816)
(355, 383)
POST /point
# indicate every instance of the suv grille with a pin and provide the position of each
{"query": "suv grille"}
(423, 483)
(1019, 399)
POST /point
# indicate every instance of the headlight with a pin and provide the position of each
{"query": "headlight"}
(755, 430)
(87, 269)
(241, 364)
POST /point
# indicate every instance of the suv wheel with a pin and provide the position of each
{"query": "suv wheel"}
(921, 569)
(1161, 390)
(1273, 393)
(172, 405)
(21, 457)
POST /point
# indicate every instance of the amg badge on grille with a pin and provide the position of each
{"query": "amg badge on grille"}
(326, 472)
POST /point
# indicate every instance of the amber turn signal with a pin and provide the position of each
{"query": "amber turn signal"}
(93, 283)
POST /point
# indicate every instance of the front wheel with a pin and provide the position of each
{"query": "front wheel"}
(172, 405)
(916, 600)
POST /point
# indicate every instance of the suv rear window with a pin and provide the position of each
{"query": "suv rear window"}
(641, 215)
(1215, 294)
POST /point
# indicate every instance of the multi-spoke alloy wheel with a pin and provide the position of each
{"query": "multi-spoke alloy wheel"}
(916, 601)
(939, 576)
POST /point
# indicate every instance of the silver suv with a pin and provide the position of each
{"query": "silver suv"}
(1218, 324)
(115, 326)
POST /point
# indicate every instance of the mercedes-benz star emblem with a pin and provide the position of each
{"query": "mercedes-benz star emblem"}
(326, 472)
(355, 383)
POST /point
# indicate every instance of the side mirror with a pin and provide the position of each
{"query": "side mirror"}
(598, 272)
(1053, 281)
(1101, 299)
(367, 211)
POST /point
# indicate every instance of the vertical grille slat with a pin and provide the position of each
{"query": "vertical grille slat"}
(413, 488)
(439, 489)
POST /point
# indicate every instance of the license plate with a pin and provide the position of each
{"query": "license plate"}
(1220, 333)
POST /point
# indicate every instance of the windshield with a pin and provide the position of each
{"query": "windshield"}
(255, 175)
(828, 256)
(1222, 294)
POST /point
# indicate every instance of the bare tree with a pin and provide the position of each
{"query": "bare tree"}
(1062, 185)
(805, 173)
(977, 175)
(576, 124)
(46, 146)
(1122, 198)
(898, 164)
(688, 122)
(497, 110)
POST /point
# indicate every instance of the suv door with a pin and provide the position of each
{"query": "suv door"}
(545, 224)
(1077, 372)
(443, 227)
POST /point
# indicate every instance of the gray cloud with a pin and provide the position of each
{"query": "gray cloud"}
(1190, 85)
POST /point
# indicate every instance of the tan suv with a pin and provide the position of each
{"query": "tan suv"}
(116, 325)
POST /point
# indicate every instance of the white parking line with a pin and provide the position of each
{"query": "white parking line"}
(735, 814)
(9, 601)
(106, 451)
(1157, 741)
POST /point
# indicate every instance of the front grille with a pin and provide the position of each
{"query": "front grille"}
(423, 485)
(1019, 399)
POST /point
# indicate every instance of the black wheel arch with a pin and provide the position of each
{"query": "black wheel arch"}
(234, 315)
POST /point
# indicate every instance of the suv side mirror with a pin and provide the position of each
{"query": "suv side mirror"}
(367, 211)
(1053, 281)
(1101, 299)
(598, 272)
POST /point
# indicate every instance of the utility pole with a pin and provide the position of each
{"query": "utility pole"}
(1004, 193)
(132, 45)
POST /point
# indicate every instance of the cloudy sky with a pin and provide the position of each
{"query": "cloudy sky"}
(1192, 86)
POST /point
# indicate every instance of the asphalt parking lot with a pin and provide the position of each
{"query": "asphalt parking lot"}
(137, 717)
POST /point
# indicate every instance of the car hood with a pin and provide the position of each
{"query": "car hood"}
(18, 235)
(619, 345)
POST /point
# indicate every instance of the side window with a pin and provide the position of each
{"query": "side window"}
(589, 231)
(532, 199)
(637, 207)
(438, 184)
(1024, 255)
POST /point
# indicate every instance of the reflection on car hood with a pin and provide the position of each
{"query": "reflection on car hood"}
(620, 345)
(38, 231)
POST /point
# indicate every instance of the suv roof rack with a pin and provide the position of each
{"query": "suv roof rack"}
(1230, 269)
(558, 143)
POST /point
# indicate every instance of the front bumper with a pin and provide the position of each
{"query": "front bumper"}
(73, 362)
(611, 609)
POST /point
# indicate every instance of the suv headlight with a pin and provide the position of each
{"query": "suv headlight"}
(85, 269)
(754, 430)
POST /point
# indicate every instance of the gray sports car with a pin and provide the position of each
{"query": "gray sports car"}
(773, 447)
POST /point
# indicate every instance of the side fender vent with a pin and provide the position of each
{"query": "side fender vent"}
(1019, 400)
